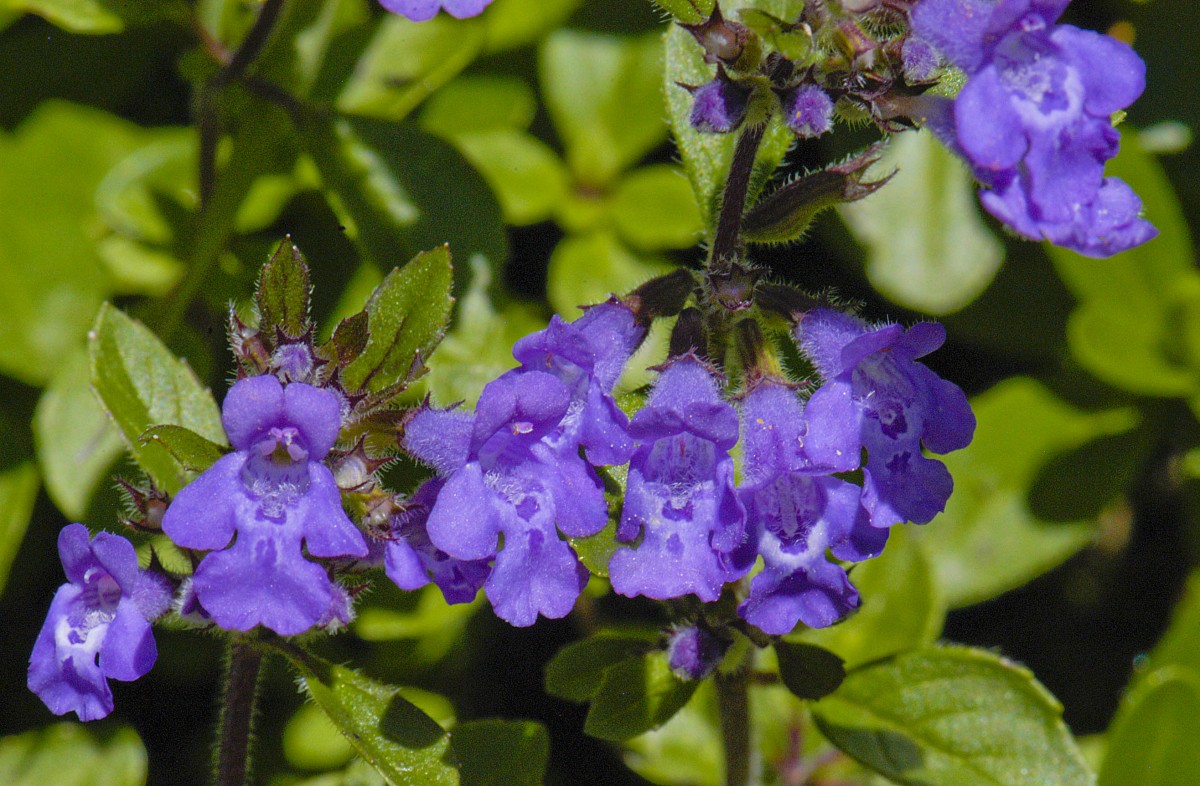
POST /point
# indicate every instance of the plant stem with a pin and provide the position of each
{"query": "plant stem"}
(243, 667)
(727, 242)
(733, 702)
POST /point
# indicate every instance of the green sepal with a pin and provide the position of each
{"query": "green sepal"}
(283, 292)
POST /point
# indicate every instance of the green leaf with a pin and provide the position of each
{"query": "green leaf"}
(18, 491)
(54, 280)
(98, 16)
(306, 48)
(635, 696)
(952, 716)
(529, 179)
(901, 605)
(706, 157)
(654, 208)
(502, 752)
(397, 203)
(141, 384)
(604, 97)
(1127, 328)
(66, 754)
(687, 11)
(76, 443)
(991, 537)
(433, 626)
(312, 742)
(1180, 645)
(405, 62)
(1152, 740)
(407, 317)
(809, 671)
(576, 672)
(927, 246)
(587, 269)
(514, 23)
(471, 104)
(400, 741)
(283, 292)
(193, 452)
(479, 347)
(687, 750)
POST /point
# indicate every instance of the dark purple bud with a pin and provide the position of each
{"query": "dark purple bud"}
(732, 283)
(694, 653)
(688, 335)
(719, 106)
(730, 43)
(664, 296)
(808, 111)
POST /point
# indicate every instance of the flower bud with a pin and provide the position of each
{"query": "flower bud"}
(694, 653)
(807, 110)
(719, 106)
(730, 43)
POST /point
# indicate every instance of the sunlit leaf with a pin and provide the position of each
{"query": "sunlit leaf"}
(18, 491)
(927, 246)
(952, 716)
(67, 754)
(1152, 740)
(635, 696)
(142, 384)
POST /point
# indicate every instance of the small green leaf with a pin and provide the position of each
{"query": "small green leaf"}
(193, 452)
(312, 742)
(603, 95)
(396, 204)
(405, 62)
(635, 696)
(1152, 740)
(1127, 329)
(98, 16)
(18, 491)
(502, 752)
(433, 626)
(577, 671)
(687, 750)
(471, 104)
(809, 671)
(1180, 645)
(407, 317)
(76, 443)
(901, 605)
(687, 11)
(586, 269)
(991, 537)
(927, 246)
(529, 179)
(142, 384)
(52, 165)
(283, 292)
(67, 754)
(654, 208)
(515, 23)
(952, 716)
(402, 743)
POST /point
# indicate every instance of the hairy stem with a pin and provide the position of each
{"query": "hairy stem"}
(243, 665)
(727, 243)
(733, 702)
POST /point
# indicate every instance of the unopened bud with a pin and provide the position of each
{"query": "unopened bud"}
(693, 653)
(730, 43)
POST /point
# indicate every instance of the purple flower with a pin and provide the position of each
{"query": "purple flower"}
(98, 626)
(797, 510)
(719, 106)
(876, 397)
(1033, 119)
(808, 110)
(503, 478)
(274, 493)
(424, 10)
(680, 496)
(411, 560)
(587, 356)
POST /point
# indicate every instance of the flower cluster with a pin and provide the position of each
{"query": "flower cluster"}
(1034, 118)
